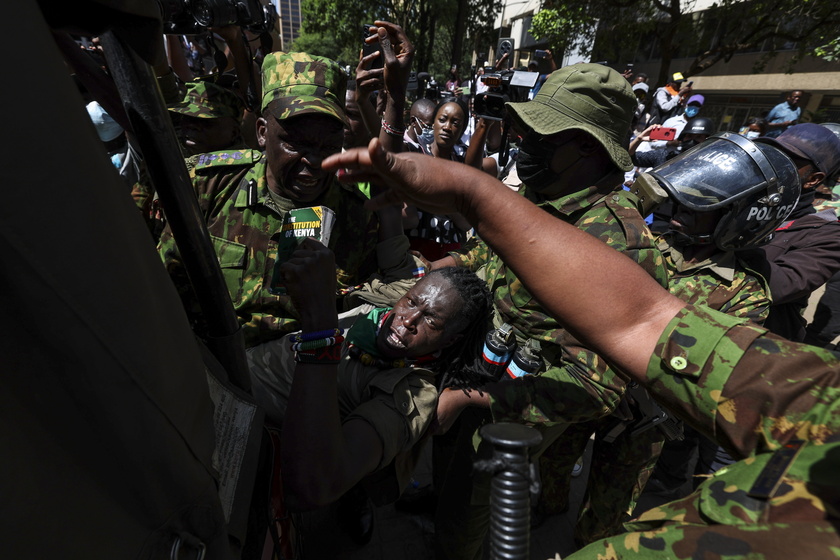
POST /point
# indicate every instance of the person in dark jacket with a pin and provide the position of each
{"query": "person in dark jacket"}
(805, 250)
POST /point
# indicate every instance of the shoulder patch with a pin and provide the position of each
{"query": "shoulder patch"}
(227, 158)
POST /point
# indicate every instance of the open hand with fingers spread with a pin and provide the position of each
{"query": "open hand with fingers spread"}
(399, 55)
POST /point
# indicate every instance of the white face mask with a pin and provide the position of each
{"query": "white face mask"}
(752, 134)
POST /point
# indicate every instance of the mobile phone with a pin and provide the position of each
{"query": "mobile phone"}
(540, 53)
(368, 48)
(689, 84)
(663, 133)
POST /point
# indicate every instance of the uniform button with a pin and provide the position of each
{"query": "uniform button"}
(405, 405)
(678, 362)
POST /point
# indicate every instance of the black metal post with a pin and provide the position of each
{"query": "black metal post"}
(137, 85)
(510, 489)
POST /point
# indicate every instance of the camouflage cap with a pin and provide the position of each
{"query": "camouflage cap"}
(207, 100)
(299, 83)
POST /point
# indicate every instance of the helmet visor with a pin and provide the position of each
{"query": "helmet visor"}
(722, 170)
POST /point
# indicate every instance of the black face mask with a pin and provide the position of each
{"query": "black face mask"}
(681, 239)
(805, 205)
(533, 163)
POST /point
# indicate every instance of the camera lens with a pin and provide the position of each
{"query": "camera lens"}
(214, 13)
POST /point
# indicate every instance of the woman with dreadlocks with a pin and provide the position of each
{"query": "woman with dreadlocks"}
(356, 401)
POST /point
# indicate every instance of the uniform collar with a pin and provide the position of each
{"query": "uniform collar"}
(722, 263)
(253, 191)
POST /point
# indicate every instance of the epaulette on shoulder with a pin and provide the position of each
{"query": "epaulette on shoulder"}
(225, 158)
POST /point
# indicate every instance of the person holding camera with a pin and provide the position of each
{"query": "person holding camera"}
(667, 100)
(534, 66)
(696, 131)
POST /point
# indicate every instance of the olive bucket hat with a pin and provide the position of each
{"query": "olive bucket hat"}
(299, 83)
(589, 97)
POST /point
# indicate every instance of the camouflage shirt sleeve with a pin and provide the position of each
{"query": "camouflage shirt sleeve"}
(751, 302)
(748, 389)
(473, 255)
(576, 384)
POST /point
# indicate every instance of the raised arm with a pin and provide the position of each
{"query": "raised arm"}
(321, 458)
(399, 55)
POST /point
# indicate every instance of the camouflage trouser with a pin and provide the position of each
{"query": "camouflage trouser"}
(618, 473)
(556, 465)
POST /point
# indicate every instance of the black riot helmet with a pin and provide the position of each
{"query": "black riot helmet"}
(833, 127)
(699, 125)
(755, 185)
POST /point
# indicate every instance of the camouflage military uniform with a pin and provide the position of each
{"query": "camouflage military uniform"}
(727, 378)
(203, 100)
(575, 384)
(207, 100)
(241, 218)
(243, 214)
(621, 468)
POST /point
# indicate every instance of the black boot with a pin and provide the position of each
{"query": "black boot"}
(355, 515)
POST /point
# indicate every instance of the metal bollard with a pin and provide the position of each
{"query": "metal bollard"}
(510, 488)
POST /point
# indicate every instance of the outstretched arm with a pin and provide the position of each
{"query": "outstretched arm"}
(579, 280)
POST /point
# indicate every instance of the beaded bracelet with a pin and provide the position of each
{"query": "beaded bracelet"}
(328, 355)
(315, 344)
(305, 337)
(391, 130)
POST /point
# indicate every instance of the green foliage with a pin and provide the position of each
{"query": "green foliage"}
(564, 26)
(570, 24)
(334, 28)
(669, 29)
(830, 52)
(321, 44)
(338, 24)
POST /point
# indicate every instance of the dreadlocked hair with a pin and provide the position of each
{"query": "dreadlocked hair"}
(459, 364)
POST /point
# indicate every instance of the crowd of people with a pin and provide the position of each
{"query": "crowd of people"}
(374, 349)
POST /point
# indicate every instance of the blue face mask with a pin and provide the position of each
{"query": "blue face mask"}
(427, 136)
(691, 112)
